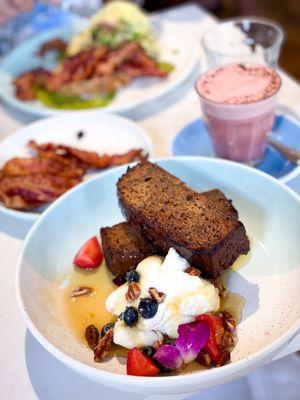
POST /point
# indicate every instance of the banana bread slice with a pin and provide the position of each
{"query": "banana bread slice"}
(124, 247)
(203, 229)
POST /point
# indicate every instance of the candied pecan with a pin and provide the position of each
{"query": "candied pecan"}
(158, 296)
(204, 359)
(133, 292)
(158, 343)
(228, 321)
(225, 356)
(103, 347)
(92, 336)
(81, 291)
(193, 271)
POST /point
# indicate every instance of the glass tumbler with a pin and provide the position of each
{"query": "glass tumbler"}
(251, 39)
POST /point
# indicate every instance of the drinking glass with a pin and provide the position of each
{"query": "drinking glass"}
(243, 40)
(239, 132)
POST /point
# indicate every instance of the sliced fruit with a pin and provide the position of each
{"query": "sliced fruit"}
(139, 364)
(90, 255)
(212, 346)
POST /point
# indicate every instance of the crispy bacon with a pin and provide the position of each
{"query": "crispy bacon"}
(93, 71)
(26, 82)
(96, 85)
(55, 44)
(89, 159)
(80, 67)
(37, 165)
(31, 191)
(27, 183)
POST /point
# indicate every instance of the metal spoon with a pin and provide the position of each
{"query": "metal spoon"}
(291, 154)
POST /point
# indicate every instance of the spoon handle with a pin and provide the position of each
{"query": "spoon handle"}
(291, 154)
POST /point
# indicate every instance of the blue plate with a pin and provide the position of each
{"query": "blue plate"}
(194, 140)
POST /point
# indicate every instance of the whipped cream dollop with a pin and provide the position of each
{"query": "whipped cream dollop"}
(186, 297)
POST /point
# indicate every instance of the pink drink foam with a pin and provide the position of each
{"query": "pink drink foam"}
(238, 103)
(238, 84)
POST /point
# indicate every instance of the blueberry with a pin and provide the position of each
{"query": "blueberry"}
(148, 351)
(121, 317)
(130, 316)
(148, 307)
(132, 276)
(162, 368)
(106, 327)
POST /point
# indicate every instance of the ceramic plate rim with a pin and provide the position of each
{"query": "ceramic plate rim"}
(209, 376)
(285, 179)
(125, 108)
(33, 216)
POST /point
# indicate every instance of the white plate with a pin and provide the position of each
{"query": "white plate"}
(103, 133)
(175, 46)
(269, 282)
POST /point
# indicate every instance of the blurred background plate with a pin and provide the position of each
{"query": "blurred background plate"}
(194, 140)
(103, 133)
(182, 53)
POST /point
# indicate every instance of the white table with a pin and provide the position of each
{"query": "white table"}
(27, 371)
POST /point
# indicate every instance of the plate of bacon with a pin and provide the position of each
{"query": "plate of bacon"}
(45, 159)
(114, 64)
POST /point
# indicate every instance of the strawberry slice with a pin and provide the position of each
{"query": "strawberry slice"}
(139, 364)
(212, 346)
(90, 255)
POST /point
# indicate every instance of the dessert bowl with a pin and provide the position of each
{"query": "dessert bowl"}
(268, 279)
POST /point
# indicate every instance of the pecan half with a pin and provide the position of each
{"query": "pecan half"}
(227, 341)
(228, 321)
(204, 359)
(193, 271)
(81, 291)
(158, 343)
(133, 292)
(225, 356)
(100, 352)
(158, 296)
(92, 336)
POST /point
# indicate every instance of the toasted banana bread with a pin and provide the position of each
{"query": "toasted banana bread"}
(203, 229)
(124, 247)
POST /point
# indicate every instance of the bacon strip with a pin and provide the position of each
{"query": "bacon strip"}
(27, 183)
(31, 191)
(88, 159)
(94, 71)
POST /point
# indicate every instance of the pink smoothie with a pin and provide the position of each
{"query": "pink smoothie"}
(238, 102)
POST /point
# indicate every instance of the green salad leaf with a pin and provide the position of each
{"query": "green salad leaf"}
(64, 102)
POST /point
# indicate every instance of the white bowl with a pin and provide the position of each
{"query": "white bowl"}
(270, 282)
(103, 133)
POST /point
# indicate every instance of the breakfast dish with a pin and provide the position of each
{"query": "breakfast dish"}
(46, 277)
(167, 309)
(28, 183)
(117, 47)
(119, 60)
